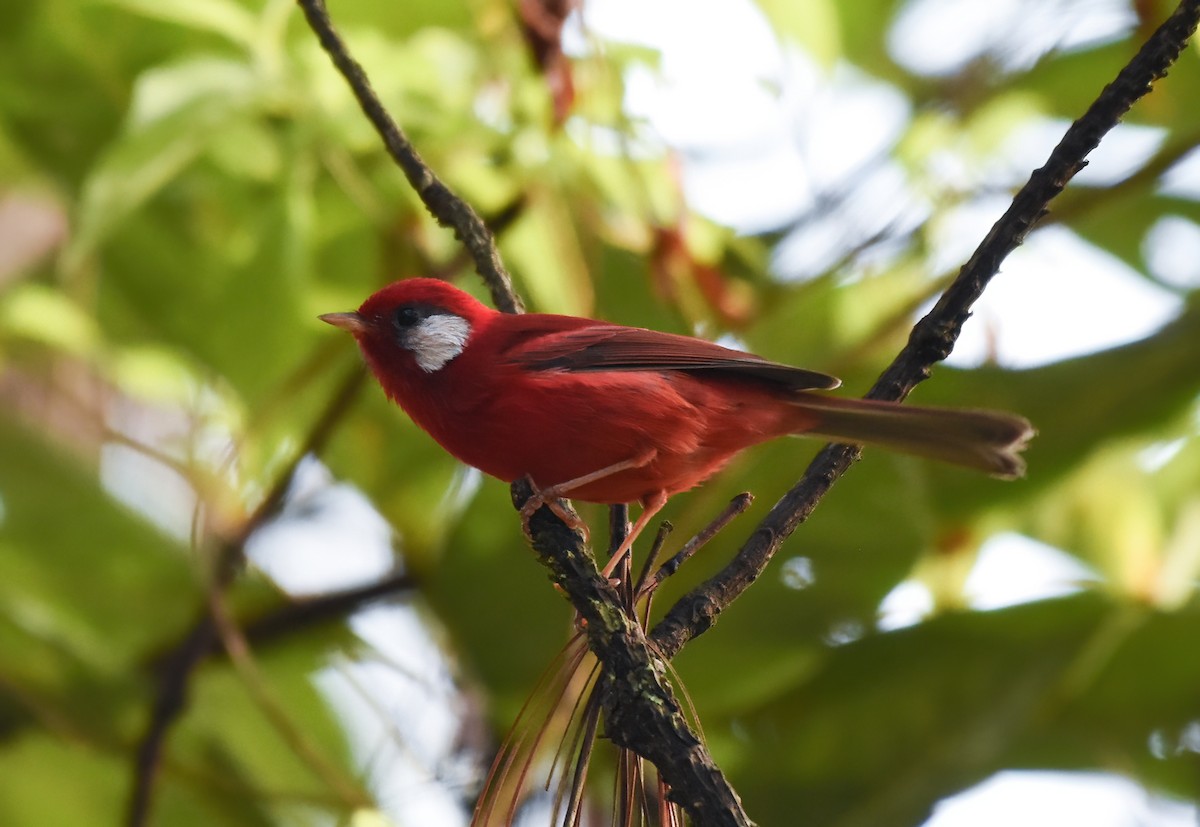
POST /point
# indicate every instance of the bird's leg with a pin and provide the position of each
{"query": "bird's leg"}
(650, 506)
(549, 495)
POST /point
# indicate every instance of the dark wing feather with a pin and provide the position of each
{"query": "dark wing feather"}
(597, 346)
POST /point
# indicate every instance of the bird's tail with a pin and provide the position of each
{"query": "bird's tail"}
(988, 441)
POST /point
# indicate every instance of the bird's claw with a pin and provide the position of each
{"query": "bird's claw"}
(549, 498)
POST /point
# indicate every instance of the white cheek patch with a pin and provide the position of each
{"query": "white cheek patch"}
(437, 339)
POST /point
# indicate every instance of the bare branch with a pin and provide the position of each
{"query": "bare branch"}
(169, 703)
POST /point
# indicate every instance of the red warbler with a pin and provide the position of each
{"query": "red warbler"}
(604, 413)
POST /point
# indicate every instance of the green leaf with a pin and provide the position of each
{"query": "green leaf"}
(228, 734)
(75, 563)
(223, 17)
(45, 315)
(32, 770)
(544, 251)
(893, 722)
(179, 115)
(43, 552)
(813, 24)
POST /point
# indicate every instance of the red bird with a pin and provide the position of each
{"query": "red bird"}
(609, 414)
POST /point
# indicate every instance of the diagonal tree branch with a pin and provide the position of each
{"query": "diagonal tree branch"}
(933, 337)
(641, 711)
(449, 210)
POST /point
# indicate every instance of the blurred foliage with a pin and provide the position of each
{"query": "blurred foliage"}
(185, 184)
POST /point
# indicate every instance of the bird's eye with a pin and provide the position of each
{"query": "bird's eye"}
(407, 316)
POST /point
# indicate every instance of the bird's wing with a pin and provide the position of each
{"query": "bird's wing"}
(596, 346)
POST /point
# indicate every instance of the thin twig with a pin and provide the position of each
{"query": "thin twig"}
(447, 208)
(351, 795)
(1085, 201)
(660, 539)
(933, 337)
(618, 526)
(591, 719)
(231, 554)
(735, 508)
(169, 703)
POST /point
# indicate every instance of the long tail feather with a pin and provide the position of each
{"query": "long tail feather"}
(988, 441)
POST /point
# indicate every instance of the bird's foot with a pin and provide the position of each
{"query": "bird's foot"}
(550, 497)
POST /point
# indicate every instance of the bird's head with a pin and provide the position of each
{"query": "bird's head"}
(418, 322)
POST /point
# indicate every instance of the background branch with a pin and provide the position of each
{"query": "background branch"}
(298, 616)
(180, 663)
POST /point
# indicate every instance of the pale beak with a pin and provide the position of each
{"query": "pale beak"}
(350, 322)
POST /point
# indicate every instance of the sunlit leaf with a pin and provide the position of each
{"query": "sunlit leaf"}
(813, 24)
(223, 17)
(148, 157)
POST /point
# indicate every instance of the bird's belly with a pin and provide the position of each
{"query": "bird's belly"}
(559, 427)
